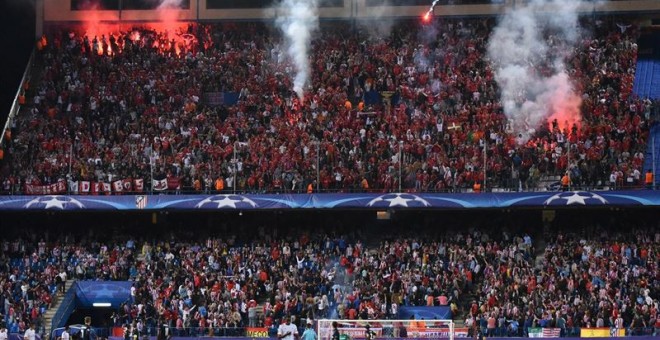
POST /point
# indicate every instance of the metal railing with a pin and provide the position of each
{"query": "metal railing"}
(15, 106)
(66, 308)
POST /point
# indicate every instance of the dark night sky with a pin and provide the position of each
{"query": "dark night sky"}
(16, 41)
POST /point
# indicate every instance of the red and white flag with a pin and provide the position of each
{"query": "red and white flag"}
(160, 185)
(85, 186)
(95, 188)
(74, 186)
(118, 186)
(60, 185)
(107, 187)
(138, 184)
(128, 185)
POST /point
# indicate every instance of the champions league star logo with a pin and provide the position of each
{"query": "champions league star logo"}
(104, 290)
(576, 197)
(398, 200)
(226, 201)
(54, 202)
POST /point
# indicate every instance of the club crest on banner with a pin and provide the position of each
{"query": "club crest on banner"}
(141, 201)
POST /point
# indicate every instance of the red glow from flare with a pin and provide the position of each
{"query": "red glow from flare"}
(565, 120)
(567, 115)
(426, 17)
(565, 105)
(135, 36)
(170, 34)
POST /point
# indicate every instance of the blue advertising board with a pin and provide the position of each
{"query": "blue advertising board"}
(333, 201)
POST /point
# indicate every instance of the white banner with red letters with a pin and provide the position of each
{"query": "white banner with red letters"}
(48, 189)
(89, 187)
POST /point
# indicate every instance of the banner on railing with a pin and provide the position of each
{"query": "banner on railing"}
(118, 186)
(256, 332)
(544, 332)
(49, 189)
(95, 188)
(430, 333)
(173, 183)
(601, 332)
(160, 184)
(412, 332)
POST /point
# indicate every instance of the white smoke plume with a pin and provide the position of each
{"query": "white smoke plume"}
(169, 4)
(527, 50)
(379, 23)
(298, 20)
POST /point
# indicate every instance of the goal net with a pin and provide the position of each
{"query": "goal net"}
(388, 329)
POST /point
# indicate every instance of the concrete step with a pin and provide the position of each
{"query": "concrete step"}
(54, 306)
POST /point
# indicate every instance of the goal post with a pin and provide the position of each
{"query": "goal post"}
(389, 329)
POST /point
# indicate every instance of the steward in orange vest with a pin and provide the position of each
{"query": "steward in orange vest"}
(219, 184)
(565, 182)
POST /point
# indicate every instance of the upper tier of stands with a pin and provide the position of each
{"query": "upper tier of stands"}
(147, 104)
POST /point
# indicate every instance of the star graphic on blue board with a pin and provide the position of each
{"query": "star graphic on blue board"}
(54, 202)
(399, 200)
(103, 291)
(227, 201)
(576, 198)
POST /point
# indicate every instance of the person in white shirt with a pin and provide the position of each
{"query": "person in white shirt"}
(3, 333)
(287, 331)
(62, 281)
(65, 334)
(30, 333)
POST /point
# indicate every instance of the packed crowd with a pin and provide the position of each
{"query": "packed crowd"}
(136, 104)
(219, 286)
(609, 280)
(28, 281)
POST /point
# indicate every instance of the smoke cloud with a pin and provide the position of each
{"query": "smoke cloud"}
(379, 23)
(298, 20)
(170, 4)
(527, 50)
(430, 11)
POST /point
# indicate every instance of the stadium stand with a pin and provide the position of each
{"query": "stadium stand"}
(209, 109)
(581, 278)
(181, 111)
